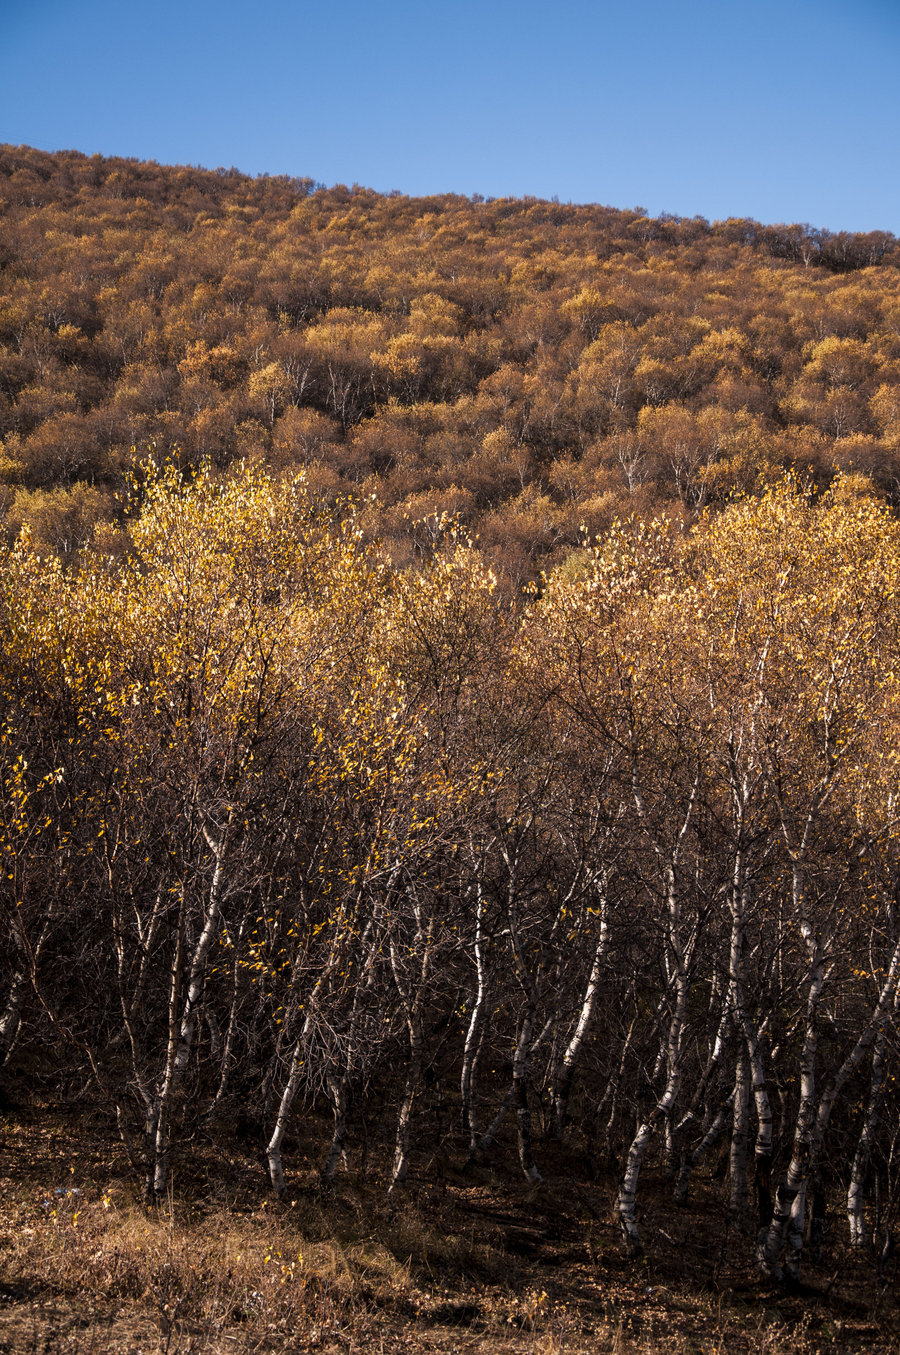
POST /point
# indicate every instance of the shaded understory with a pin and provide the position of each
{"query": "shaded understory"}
(470, 1263)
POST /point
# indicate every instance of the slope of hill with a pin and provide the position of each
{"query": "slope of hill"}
(470, 934)
(533, 369)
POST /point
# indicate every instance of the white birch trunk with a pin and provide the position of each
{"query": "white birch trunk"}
(340, 1085)
(414, 1003)
(474, 1035)
(710, 1138)
(183, 1027)
(856, 1208)
(292, 1085)
(12, 1014)
(295, 1077)
(812, 1121)
(626, 1203)
(400, 1167)
(740, 1138)
(520, 1096)
(158, 1119)
(339, 1089)
(670, 1052)
(563, 1087)
(770, 1251)
(477, 1152)
(749, 1033)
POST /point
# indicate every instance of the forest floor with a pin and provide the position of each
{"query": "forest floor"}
(476, 1264)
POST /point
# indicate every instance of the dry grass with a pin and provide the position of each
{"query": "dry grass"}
(478, 1266)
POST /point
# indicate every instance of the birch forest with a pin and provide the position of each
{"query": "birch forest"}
(449, 697)
(288, 832)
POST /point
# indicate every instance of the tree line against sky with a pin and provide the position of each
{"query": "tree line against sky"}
(530, 368)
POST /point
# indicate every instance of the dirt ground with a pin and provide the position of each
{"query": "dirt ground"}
(474, 1263)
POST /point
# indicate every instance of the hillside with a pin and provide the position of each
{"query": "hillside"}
(390, 950)
(531, 368)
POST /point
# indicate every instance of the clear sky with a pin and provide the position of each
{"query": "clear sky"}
(783, 110)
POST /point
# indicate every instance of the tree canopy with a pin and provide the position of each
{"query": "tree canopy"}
(526, 367)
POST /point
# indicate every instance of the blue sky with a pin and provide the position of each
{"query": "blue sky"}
(783, 111)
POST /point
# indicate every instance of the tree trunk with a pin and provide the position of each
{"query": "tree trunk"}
(158, 1118)
(670, 1057)
(477, 1152)
(11, 1019)
(710, 1138)
(414, 1004)
(183, 1027)
(856, 1209)
(339, 1089)
(626, 1205)
(563, 1082)
(784, 1219)
(520, 1096)
(475, 1034)
(788, 1220)
(740, 1138)
(291, 1087)
(749, 1031)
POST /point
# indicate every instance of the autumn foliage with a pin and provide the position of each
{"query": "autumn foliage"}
(289, 832)
(448, 664)
(530, 368)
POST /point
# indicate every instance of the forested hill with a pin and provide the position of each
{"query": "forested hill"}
(356, 880)
(532, 368)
